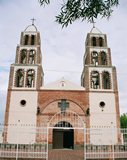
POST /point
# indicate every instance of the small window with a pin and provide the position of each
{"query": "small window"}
(30, 79)
(32, 39)
(38, 110)
(62, 83)
(94, 41)
(23, 56)
(95, 81)
(26, 39)
(23, 102)
(87, 111)
(100, 41)
(32, 56)
(106, 80)
(102, 105)
(94, 58)
(19, 78)
(103, 58)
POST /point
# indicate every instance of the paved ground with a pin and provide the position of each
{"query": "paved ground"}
(65, 154)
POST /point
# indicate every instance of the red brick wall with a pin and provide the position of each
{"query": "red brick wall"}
(48, 104)
(46, 97)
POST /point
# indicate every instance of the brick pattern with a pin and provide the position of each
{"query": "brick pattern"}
(21, 39)
(10, 84)
(109, 60)
(38, 39)
(87, 59)
(48, 104)
(47, 96)
(90, 43)
(114, 76)
(39, 59)
(17, 55)
(40, 76)
(87, 56)
(66, 155)
(85, 78)
(118, 115)
(6, 116)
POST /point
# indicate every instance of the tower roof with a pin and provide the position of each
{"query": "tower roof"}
(95, 30)
(31, 28)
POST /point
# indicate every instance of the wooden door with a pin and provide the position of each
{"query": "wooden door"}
(58, 139)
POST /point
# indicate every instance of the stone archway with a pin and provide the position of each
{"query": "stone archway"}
(64, 126)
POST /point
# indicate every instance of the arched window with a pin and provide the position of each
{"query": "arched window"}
(95, 80)
(19, 80)
(32, 39)
(94, 41)
(31, 57)
(26, 40)
(23, 56)
(103, 58)
(94, 58)
(30, 78)
(106, 80)
(100, 41)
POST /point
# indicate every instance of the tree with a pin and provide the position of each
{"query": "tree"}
(123, 121)
(89, 10)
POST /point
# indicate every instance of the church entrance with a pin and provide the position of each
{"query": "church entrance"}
(63, 138)
(66, 136)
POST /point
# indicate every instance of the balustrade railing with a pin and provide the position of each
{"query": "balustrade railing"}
(36, 144)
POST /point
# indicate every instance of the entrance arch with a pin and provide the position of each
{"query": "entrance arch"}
(66, 130)
(68, 116)
(63, 138)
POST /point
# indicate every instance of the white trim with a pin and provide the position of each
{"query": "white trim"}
(63, 118)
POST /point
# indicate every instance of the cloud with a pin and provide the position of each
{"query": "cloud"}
(4, 76)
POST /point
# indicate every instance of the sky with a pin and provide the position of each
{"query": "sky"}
(62, 49)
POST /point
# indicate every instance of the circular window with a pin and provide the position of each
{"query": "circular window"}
(23, 102)
(102, 104)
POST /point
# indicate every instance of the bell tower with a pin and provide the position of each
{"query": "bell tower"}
(99, 79)
(26, 77)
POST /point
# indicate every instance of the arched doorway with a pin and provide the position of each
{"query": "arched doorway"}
(63, 138)
(66, 130)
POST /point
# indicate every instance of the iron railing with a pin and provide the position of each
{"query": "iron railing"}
(37, 147)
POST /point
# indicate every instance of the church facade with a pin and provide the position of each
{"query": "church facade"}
(31, 104)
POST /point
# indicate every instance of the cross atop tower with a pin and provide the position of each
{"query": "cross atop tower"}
(93, 22)
(33, 19)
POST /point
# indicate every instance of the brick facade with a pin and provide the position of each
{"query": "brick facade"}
(48, 104)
